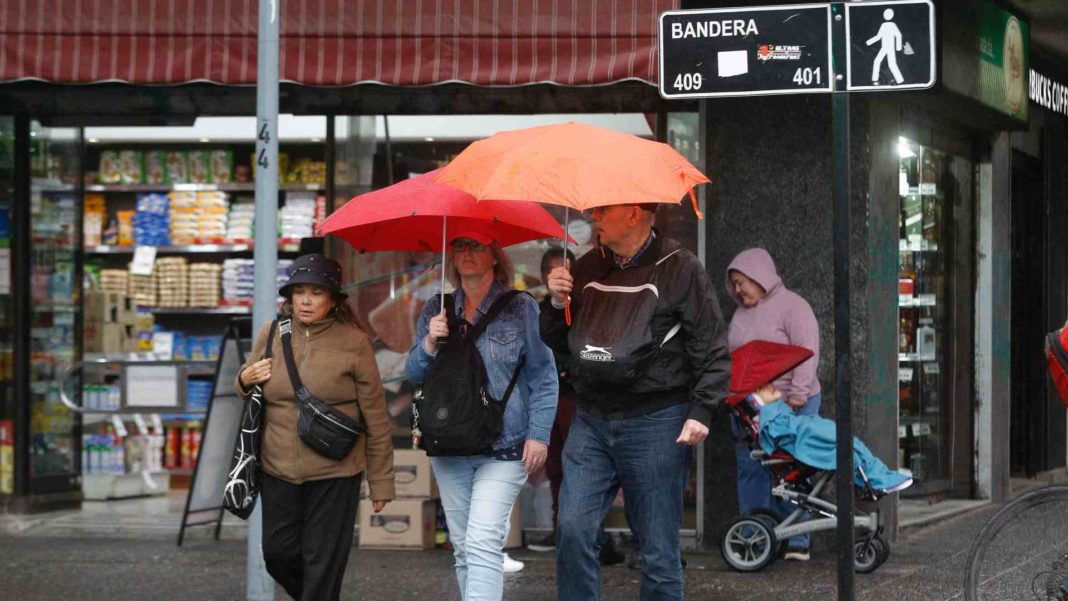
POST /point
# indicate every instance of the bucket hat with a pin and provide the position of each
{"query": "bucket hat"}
(314, 269)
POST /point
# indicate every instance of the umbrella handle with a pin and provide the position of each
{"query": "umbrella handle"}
(567, 309)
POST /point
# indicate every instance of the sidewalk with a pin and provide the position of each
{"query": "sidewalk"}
(76, 556)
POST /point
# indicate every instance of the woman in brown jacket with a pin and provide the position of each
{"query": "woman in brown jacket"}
(309, 501)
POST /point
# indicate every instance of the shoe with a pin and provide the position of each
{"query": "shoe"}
(544, 544)
(610, 555)
(797, 555)
(511, 566)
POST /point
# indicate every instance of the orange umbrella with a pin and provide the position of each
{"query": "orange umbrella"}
(573, 165)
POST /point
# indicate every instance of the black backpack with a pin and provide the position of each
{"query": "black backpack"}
(453, 412)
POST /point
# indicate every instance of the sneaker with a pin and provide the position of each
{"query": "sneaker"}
(511, 566)
(544, 544)
(797, 555)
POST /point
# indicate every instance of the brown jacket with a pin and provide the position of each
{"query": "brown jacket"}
(336, 364)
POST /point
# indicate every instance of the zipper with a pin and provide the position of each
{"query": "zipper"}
(330, 419)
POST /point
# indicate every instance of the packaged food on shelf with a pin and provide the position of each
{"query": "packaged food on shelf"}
(297, 217)
(199, 167)
(110, 167)
(156, 167)
(177, 167)
(152, 220)
(93, 219)
(241, 222)
(126, 227)
(205, 284)
(172, 279)
(132, 166)
(222, 166)
(115, 280)
(143, 290)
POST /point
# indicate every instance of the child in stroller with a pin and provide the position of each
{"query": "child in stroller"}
(799, 452)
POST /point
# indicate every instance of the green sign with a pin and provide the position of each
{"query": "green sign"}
(1004, 51)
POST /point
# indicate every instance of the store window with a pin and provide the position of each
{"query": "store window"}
(925, 181)
(55, 297)
(7, 356)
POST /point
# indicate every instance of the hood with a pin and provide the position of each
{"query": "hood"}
(758, 266)
(760, 362)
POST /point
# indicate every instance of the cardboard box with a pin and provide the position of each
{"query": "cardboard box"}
(414, 477)
(109, 307)
(108, 338)
(404, 524)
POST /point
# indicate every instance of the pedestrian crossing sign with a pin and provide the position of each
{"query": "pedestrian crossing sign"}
(891, 45)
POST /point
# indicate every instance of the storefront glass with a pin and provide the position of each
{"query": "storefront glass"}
(924, 246)
(55, 295)
(7, 358)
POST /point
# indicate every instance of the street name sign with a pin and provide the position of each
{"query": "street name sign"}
(891, 45)
(745, 51)
(789, 49)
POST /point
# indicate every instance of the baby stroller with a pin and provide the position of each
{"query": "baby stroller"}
(754, 540)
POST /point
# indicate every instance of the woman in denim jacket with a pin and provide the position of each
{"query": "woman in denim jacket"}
(478, 491)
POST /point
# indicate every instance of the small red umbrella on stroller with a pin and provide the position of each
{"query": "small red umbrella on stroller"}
(761, 362)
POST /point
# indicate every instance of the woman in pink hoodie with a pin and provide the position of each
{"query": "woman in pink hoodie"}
(767, 310)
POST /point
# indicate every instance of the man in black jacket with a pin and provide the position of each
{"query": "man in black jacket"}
(649, 361)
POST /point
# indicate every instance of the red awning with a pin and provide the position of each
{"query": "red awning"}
(333, 42)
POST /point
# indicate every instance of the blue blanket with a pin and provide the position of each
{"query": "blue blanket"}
(811, 439)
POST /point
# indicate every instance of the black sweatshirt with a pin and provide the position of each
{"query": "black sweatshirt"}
(694, 366)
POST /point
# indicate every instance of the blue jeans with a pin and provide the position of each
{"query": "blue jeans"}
(640, 455)
(754, 483)
(477, 494)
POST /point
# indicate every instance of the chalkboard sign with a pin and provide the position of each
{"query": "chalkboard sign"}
(204, 505)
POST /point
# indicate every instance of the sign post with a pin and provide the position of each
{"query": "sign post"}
(806, 49)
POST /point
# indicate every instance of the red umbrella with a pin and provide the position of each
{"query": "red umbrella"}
(419, 215)
(761, 362)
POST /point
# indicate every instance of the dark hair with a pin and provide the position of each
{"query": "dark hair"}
(649, 206)
(555, 252)
(341, 311)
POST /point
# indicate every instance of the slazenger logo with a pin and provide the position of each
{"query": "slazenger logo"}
(596, 353)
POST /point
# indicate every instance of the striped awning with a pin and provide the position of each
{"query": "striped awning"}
(333, 42)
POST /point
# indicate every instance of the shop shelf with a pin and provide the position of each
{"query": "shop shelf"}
(922, 246)
(915, 358)
(230, 187)
(234, 310)
(177, 249)
(916, 301)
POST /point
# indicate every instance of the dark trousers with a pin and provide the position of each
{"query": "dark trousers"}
(554, 465)
(307, 534)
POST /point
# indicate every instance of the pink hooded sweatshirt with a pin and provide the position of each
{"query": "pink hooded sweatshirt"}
(781, 316)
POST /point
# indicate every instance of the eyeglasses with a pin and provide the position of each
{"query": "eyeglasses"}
(460, 246)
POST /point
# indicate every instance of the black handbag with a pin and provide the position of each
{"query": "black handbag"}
(244, 478)
(326, 430)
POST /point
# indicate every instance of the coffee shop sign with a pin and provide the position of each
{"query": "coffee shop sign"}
(1049, 94)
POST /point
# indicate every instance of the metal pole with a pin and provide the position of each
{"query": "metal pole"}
(843, 405)
(260, 586)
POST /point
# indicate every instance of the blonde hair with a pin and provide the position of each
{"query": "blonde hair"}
(503, 271)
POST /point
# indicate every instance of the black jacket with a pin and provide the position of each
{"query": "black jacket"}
(694, 366)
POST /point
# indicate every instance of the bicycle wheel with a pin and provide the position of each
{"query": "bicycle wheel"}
(1022, 550)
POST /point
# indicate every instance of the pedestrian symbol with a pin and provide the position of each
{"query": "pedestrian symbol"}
(889, 37)
(890, 44)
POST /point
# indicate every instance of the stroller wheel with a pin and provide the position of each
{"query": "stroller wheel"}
(773, 520)
(748, 544)
(868, 557)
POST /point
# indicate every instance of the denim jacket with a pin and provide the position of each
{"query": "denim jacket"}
(531, 409)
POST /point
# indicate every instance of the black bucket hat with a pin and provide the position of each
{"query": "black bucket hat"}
(314, 269)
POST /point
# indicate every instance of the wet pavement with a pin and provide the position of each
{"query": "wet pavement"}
(52, 559)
